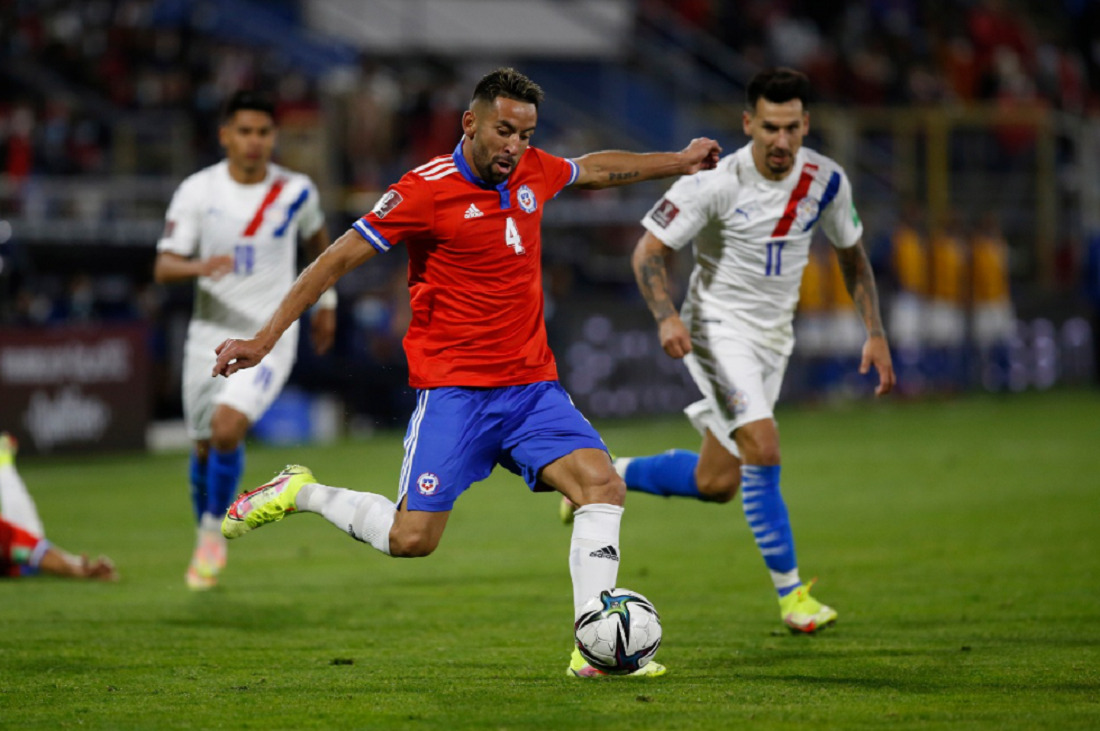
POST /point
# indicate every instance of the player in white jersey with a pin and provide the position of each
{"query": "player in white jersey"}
(233, 230)
(735, 328)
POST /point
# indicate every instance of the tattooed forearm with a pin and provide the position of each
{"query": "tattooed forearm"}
(622, 177)
(652, 276)
(860, 281)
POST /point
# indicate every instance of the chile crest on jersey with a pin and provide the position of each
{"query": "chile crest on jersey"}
(526, 199)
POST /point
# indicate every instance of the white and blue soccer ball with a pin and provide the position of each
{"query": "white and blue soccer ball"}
(618, 631)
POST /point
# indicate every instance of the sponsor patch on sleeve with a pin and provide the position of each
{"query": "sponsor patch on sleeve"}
(664, 212)
(392, 199)
(169, 228)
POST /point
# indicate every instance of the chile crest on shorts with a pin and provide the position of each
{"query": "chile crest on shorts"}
(427, 483)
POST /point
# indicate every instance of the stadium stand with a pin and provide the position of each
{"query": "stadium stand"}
(106, 105)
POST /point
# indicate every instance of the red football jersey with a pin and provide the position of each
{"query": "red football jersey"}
(18, 549)
(475, 270)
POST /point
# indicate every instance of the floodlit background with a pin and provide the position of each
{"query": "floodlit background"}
(963, 124)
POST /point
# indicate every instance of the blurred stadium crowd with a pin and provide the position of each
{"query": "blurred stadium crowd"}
(105, 105)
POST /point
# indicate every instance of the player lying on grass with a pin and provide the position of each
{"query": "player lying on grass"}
(24, 550)
(487, 384)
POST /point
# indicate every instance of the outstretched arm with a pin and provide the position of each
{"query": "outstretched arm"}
(322, 323)
(614, 167)
(651, 271)
(61, 563)
(860, 281)
(346, 253)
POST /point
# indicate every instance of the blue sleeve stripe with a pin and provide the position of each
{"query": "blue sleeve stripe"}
(290, 211)
(576, 171)
(370, 233)
(826, 198)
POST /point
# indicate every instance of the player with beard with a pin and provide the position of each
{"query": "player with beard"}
(487, 384)
(734, 330)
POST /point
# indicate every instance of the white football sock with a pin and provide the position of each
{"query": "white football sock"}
(594, 551)
(364, 516)
(16, 502)
(210, 523)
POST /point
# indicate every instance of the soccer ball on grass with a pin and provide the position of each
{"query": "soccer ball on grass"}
(618, 631)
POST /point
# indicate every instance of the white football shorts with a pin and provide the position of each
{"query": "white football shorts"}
(740, 382)
(908, 320)
(846, 333)
(250, 391)
(946, 324)
(994, 322)
(811, 332)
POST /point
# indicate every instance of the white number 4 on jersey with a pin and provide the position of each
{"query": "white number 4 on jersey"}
(512, 237)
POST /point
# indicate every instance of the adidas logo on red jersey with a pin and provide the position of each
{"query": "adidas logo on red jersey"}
(473, 212)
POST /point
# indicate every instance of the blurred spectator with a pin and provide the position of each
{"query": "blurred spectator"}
(380, 384)
(1092, 292)
(846, 333)
(369, 114)
(16, 136)
(909, 259)
(993, 318)
(812, 320)
(947, 311)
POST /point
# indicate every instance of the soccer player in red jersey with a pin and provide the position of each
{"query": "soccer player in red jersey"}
(24, 551)
(488, 390)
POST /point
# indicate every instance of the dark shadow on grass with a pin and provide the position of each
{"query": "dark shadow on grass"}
(215, 610)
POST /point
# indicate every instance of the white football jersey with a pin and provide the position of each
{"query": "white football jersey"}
(258, 225)
(749, 277)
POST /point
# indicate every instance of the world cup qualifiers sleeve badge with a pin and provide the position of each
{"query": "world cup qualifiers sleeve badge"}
(664, 212)
(386, 203)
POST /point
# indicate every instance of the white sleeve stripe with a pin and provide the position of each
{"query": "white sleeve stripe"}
(373, 238)
(411, 440)
(433, 169)
(436, 175)
(442, 159)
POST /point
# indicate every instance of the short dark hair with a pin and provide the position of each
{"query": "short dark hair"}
(247, 99)
(778, 85)
(507, 83)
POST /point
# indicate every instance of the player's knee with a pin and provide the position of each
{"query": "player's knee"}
(719, 488)
(604, 487)
(227, 430)
(767, 454)
(407, 543)
(760, 451)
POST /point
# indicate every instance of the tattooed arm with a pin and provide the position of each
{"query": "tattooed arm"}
(860, 281)
(613, 167)
(651, 271)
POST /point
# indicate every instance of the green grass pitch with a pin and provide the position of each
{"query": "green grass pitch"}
(959, 541)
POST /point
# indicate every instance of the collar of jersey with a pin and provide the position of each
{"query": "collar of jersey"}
(755, 176)
(464, 168)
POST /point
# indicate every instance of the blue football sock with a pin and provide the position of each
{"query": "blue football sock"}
(198, 485)
(771, 526)
(670, 473)
(224, 471)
